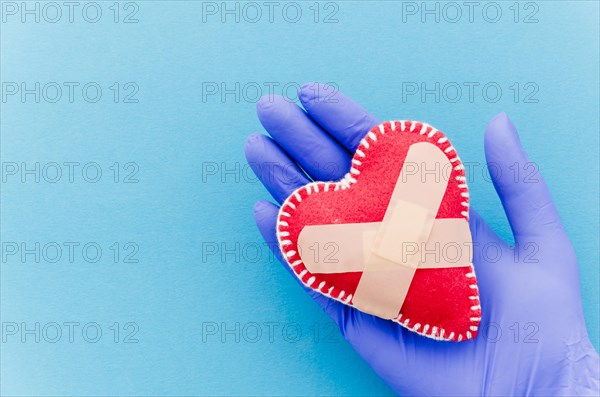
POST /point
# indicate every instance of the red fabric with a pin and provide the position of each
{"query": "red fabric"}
(438, 297)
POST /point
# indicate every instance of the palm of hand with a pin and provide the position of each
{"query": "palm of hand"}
(532, 337)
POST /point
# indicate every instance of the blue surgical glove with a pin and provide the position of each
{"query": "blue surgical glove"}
(532, 338)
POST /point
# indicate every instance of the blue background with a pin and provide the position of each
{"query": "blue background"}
(204, 283)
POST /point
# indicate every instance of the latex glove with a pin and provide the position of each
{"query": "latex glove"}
(532, 338)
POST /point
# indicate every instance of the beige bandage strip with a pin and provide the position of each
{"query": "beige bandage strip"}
(409, 237)
(337, 248)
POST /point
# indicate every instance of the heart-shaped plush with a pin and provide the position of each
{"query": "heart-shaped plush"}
(391, 238)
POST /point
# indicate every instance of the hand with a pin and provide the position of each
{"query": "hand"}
(532, 338)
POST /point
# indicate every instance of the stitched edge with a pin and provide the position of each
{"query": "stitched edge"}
(289, 205)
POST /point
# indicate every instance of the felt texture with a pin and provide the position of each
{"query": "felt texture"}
(441, 303)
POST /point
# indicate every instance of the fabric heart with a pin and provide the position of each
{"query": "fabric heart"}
(391, 238)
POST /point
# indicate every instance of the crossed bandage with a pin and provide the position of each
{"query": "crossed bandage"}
(388, 253)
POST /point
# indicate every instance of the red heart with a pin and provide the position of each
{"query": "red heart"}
(441, 303)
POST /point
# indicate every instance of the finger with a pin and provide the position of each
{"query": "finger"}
(265, 215)
(273, 167)
(316, 151)
(522, 190)
(339, 115)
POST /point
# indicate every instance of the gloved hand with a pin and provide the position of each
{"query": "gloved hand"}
(532, 338)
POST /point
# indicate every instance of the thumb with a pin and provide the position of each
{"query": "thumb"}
(522, 190)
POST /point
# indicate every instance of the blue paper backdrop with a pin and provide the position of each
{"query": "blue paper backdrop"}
(159, 252)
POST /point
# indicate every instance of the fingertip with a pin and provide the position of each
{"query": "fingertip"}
(306, 89)
(501, 131)
(251, 143)
(255, 151)
(257, 148)
(260, 206)
(502, 116)
(313, 92)
(308, 85)
(306, 93)
(269, 102)
(497, 123)
(264, 103)
(272, 110)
